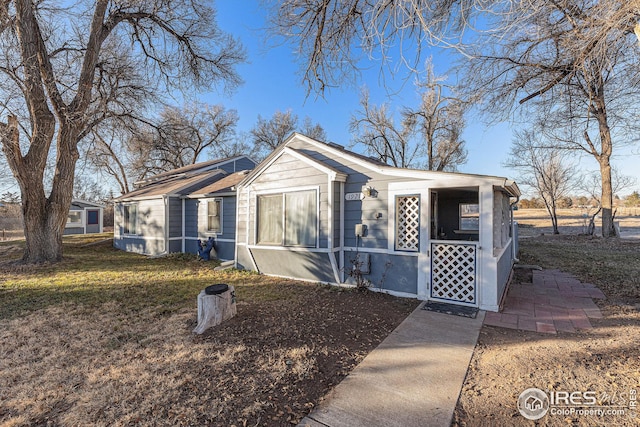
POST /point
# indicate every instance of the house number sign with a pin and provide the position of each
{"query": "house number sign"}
(354, 196)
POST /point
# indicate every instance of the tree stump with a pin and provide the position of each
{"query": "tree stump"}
(215, 309)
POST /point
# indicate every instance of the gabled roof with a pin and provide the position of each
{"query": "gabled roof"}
(79, 203)
(338, 151)
(173, 185)
(224, 185)
(189, 170)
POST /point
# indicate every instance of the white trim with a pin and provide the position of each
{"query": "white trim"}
(200, 238)
(166, 223)
(208, 195)
(290, 248)
(329, 215)
(405, 173)
(141, 237)
(124, 222)
(334, 266)
(380, 251)
(342, 277)
(206, 230)
(184, 227)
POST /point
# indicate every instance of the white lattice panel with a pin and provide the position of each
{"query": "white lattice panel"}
(453, 272)
(408, 223)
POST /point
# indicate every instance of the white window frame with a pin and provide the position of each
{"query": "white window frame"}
(77, 223)
(282, 193)
(220, 215)
(463, 214)
(125, 227)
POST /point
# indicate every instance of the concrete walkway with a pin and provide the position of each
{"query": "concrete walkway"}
(413, 378)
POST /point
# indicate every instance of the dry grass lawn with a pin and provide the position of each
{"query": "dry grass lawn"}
(604, 360)
(104, 338)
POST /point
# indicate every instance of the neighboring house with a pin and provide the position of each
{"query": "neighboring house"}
(84, 218)
(316, 211)
(171, 211)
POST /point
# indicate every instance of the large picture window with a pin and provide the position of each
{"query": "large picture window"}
(288, 219)
(130, 219)
(214, 215)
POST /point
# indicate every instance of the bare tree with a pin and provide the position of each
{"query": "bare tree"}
(428, 137)
(572, 65)
(576, 62)
(66, 69)
(545, 170)
(440, 120)
(374, 127)
(267, 134)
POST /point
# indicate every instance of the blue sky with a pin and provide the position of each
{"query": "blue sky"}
(272, 83)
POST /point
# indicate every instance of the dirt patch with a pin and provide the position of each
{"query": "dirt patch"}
(603, 361)
(269, 366)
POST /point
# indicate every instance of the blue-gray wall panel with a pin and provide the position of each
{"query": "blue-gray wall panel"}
(300, 265)
(389, 272)
(175, 217)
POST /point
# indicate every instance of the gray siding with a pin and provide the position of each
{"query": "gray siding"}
(73, 230)
(150, 237)
(139, 245)
(285, 174)
(303, 265)
(388, 272)
(222, 250)
(175, 217)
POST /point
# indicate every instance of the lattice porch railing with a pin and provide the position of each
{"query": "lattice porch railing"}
(453, 272)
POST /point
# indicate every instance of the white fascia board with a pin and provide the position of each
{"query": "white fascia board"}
(208, 195)
(393, 171)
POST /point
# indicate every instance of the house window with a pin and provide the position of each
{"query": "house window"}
(214, 215)
(93, 217)
(408, 223)
(288, 219)
(74, 218)
(130, 219)
(469, 217)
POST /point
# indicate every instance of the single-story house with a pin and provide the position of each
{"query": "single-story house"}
(171, 211)
(84, 217)
(316, 211)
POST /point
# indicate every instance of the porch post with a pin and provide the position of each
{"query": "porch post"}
(487, 285)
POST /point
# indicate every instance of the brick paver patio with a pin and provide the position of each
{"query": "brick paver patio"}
(555, 301)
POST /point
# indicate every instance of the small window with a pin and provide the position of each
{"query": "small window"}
(214, 213)
(93, 218)
(74, 218)
(130, 214)
(469, 217)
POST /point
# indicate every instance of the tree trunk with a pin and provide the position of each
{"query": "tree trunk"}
(607, 198)
(604, 159)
